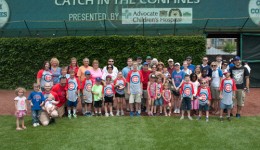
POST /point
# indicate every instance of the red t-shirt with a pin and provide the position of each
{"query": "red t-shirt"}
(170, 70)
(61, 92)
(146, 78)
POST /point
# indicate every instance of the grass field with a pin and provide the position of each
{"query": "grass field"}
(132, 133)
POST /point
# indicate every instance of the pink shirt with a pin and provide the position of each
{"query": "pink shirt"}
(95, 74)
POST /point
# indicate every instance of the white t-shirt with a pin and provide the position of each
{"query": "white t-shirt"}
(105, 74)
(115, 70)
(216, 75)
(21, 104)
(196, 85)
(188, 71)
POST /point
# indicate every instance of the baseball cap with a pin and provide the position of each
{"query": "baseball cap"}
(109, 76)
(177, 64)
(87, 72)
(236, 58)
(170, 59)
(138, 57)
(145, 63)
(98, 79)
(189, 57)
(148, 57)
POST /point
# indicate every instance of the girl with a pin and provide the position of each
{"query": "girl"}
(64, 73)
(108, 92)
(73, 66)
(20, 107)
(120, 84)
(56, 70)
(198, 71)
(44, 75)
(151, 90)
(196, 84)
(186, 69)
(166, 94)
(159, 100)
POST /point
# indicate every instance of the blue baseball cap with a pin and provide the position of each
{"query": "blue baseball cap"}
(145, 63)
(236, 58)
(87, 72)
(98, 79)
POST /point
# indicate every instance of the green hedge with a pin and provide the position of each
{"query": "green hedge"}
(21, 58)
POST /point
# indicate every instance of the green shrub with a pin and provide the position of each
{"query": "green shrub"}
(21, 58)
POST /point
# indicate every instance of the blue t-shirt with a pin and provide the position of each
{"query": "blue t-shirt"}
(191, 67)
(37, 98)
(125, 71)
(178, 77)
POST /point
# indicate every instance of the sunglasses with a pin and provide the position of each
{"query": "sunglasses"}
(213, 65)
(203, 82)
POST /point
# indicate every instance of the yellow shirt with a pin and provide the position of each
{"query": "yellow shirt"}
(81, 72)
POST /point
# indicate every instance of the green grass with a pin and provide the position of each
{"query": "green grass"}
(132, 133)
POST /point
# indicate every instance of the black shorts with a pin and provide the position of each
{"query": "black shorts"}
(186, 103)
(120, 95)
(108, 99)
(175, 93)
(204, 107)
(98, 104)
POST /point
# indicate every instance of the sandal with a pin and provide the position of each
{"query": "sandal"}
(24, 127)
(19, 129)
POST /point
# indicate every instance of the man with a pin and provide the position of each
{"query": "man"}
(61, 92)
(205, 65)
(139, 61)
(125, 72)
(171, 67)
(81, 77)
(190, 66)
(135, 87)
(111, 62)
(149, 60)
(146, 73)
(45, 119)
(241, 76)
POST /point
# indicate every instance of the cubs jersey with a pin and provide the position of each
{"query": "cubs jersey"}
(204, 94)
(45, 76)
(121, 85)
(227, 87)
(87, 89)
(135, 79)
(72, 88)
(187, 90)
(108, 90)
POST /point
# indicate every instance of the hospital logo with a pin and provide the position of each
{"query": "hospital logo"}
(254, 11)
(4, 13)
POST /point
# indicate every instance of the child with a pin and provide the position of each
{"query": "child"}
(108, 91)
(36, 99)
(64, 73)
(20, 107)
(151, 90)
(204, 97)
(204, 76)
(120, 84)
(97, 92)
(73, 90)
(227, 94)
(166, 94)
(166, 74)
(49, 105)
(87, 84)
(196, 84)
(159, 100)
(186, 69)
(186, 92)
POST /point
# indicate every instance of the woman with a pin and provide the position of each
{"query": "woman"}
(224, 67)
(109, 72)
(56, 70)
(160, 67)
(73, 66)
(44, 75)
(157, 73)
(198, 71)
(95, 71)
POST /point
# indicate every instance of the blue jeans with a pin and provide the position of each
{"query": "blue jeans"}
(36, 116)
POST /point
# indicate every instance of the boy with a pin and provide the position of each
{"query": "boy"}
(97, 92)
(37, 100)
(227, 94)
(204, 97)
(186, 92)
(135, 85)
(73, 90)
(87, 92)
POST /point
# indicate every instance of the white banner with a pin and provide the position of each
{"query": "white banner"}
(156, 15)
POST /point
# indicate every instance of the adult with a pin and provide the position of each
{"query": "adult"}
(198, 71)
(190, 65)
(125, 72)
(154, 62)
(139, 61)
(241, 76)
(149, 60)
(219, 61)
(111, 62)
(73, 66)
(177, 79)
(45, 118)
(224, 67)
(145, 72)
(59, 89)
(216, 80)
(56, 70)
(81, 77)
(205, 65)
(109, 72)
(186, 69)
(96, 72)
(171, 67)
(157, 73)
(44, 75)
(160, 67)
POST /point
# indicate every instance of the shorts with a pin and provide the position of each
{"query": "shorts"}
(126, 95)
(195, 104)
(186, 103)
(108, 99)
(72, 104)
(158, 102)
(240, 98)
(134, 98)
(224, 106)
(215, 93)
(145, 94)
(98, 104)
(120, 95)
(20, 113)
(87, 100)
(175, 93)
(204, 107)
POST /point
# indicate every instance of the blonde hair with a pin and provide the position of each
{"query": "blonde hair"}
(18, 89)
(55, 59)
(95, 62)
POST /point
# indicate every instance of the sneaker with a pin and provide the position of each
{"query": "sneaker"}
(182, 117)
(35, 125)
(207, 119)
(106, 114)
(199, 118)
(166, 114)
(118, 113)
(175, 111)
(131, 114)
(229, 118)
(69, 116)
(111, 114)
(178, 111)
(74, 115)
(238, 116)
(122, 113)
(190, 117)
(221, 119)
